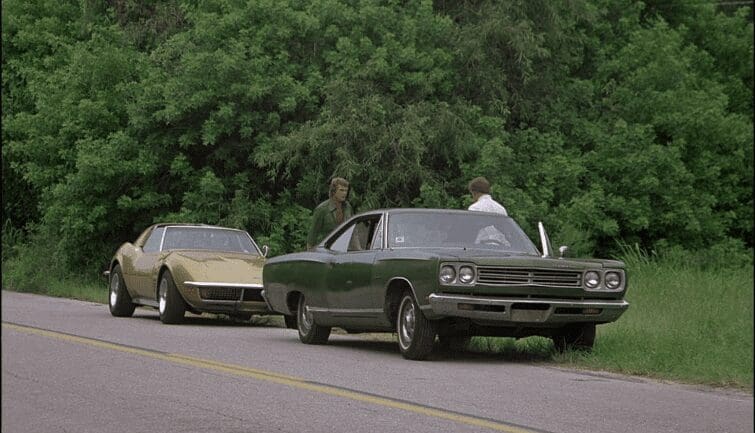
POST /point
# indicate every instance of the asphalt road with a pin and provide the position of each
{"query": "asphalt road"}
(68, 366)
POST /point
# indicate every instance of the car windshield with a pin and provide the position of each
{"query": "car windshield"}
(457, 230)
(208, 238)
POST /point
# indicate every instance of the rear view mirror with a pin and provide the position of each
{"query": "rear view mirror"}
(265, 250)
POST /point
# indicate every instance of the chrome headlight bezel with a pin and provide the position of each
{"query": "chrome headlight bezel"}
(604, 280)
(591, 280)
(447, 274)
(469, 269)
(612, 280)
(466, 274)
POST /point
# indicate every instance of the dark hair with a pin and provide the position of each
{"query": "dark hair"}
(479, 184)
(335, 183)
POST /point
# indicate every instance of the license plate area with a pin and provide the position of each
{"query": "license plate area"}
(529, 312)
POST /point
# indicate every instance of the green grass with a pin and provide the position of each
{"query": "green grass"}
(685, 323)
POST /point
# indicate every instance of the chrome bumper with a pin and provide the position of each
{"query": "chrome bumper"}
(516, 310)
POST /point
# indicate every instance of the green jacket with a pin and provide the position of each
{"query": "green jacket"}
(324, 220)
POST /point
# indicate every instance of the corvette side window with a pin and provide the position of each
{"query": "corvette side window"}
(153, 242)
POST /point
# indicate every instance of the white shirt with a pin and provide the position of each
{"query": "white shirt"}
(486, 204)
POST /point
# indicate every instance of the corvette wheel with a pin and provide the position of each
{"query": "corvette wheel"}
(416, 334)
(171, 304)
(120, 300)
(579, 336)
(309, 331)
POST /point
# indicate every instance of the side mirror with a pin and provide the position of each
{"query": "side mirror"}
(562, 251)
(265, 250)
(544, 241)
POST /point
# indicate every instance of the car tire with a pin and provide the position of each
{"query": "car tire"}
(309, 331)
(453, 343)
(170, 303)
(120, 301)
(579, 336)
(290, 321)
(416, 334)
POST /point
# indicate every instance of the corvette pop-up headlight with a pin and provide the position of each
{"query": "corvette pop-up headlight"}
(466, 274)
(592, 279)
(447, 274)
(613, 280)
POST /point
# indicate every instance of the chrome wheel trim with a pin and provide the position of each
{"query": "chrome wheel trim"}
(406, 321)
(305, 317)
(163, 295)
(115, 285)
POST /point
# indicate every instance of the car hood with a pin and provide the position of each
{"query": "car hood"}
(220, 267)
(488, 257)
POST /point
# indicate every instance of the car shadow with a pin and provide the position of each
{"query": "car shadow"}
(220, 320)
(509, 354)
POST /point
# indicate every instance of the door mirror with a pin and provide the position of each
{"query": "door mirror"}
(562, 251)
(265, 250)
(544, 241)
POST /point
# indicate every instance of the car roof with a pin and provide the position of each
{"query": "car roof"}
(399, 210)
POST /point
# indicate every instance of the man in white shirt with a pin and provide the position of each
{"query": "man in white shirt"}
(479, 187)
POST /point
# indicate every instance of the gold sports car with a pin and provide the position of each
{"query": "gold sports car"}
(194, 267)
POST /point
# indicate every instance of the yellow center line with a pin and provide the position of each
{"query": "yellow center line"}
(277, 378)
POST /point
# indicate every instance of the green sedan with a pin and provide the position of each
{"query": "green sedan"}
(450, 274)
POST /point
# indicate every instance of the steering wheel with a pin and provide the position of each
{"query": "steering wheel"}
(493, 242)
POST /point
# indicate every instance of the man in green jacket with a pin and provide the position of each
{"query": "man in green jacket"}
(330, 213)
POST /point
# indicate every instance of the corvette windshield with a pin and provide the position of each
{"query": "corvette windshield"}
(457, 230)
(206, 238)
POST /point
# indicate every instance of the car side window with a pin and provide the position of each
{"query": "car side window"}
(377, 235)
(341, 244)
(361, 238)
(152, 245)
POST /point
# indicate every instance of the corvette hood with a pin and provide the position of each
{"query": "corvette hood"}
(219, 267)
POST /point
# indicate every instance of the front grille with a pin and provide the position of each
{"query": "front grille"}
(499, 276)
(220, 293)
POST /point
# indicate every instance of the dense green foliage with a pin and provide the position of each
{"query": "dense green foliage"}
(609, 120)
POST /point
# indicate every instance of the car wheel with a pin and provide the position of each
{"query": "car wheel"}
(120, 301)
(170, 303)
(290, 321)
(453, 343)
(309, 331)
(579, 336)
(416, 334)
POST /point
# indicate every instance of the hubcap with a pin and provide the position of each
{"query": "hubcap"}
(406, 322)
(115, 284)
(163, 295)
(305, 317)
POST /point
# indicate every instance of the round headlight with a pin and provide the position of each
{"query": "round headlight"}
(447, 274)
(613, 280)
(466, 274)
(592, 279)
